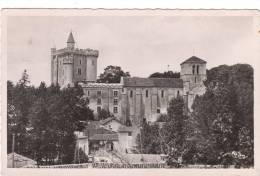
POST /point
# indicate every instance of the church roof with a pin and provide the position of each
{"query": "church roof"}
(194, 59)
(153, 82)
(71, 38)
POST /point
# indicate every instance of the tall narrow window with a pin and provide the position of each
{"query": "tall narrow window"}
(146, 93)
(193, 69)
(98, 93)
(98, 108)
(88, 93)
(115, 110)
(198, 67)
(115, 101)
(115, 93)
(162, 93)
(131, 93)
(79, 71)
(80, 62)
(99, 101)
(195, 79)
(178, 93)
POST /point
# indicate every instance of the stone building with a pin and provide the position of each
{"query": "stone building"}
(70, 64)
(133, 99)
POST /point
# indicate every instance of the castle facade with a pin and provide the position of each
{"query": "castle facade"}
(133, 99)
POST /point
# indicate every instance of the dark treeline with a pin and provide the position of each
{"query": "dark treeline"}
(219, 130)
(44, 119)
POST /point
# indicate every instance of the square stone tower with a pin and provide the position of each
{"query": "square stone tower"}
(193, 73)
(70, 65)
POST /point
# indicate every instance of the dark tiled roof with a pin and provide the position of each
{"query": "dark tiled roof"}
(104, 137)
(125, 129)
(153, 82)
(194, 59)
(105, 121)
(71, 38)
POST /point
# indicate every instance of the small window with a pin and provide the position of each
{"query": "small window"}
(131, 93)
(162, 93)
(198, 67)
(79, 71)
(99, 101)
(92, 61)
(158, 111)
(98, 108)
(129, 133)
(146, 93)
(98, 93)
(115, 93)
(122, 90)
(195, 79)
(193, 69)
(88, 93)
(80, 62)
(115, 101)
(115, 110)
(178, 93)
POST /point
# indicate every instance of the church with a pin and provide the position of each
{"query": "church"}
(132, 100)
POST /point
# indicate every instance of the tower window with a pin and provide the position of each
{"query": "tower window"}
(115, 110)
(162, 93)
(88, 92)
(115, 101)
(99, 93)
(99, 101)
(98, 108)
(158, 111)
(80, 62)
(146, 93)
(115, 93)
(178, 93)
(79, 71)
(195, 79)
(193, 69)
(131, 93)
(198, 67)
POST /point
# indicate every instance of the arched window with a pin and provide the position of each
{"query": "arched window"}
(146, 93)
(198, 67)
(193, 69)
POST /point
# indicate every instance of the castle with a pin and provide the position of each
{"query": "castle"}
(133, 99)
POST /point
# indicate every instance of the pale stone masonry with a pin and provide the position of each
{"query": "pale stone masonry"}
(133, 99)
(70, 64)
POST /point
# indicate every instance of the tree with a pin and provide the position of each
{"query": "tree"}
(112, 74)
(103, 114)
(168, 74)
(223, 115)
(174, 131)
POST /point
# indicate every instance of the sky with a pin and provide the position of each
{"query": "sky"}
(141, 45)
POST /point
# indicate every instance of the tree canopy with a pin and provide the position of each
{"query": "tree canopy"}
(112, 74)
(44, 119)
(166, 74)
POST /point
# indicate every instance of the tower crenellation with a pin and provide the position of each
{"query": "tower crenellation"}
(70, 64)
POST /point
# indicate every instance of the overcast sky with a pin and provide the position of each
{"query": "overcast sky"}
(139, 44)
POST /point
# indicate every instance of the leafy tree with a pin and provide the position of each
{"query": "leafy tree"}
(168, 74)
(104, 114)
(112, 74)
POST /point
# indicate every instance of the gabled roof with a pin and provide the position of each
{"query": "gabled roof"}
(71, 38)
(109, 119)
(194, 59)
(153, 82)
(104, 137)
(124, 128)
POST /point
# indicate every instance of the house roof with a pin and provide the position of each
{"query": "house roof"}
(194, 59)
(109, 119)
(19, 158)
(104, 137)
(125, 129)
(70, 38)
(153, 82)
